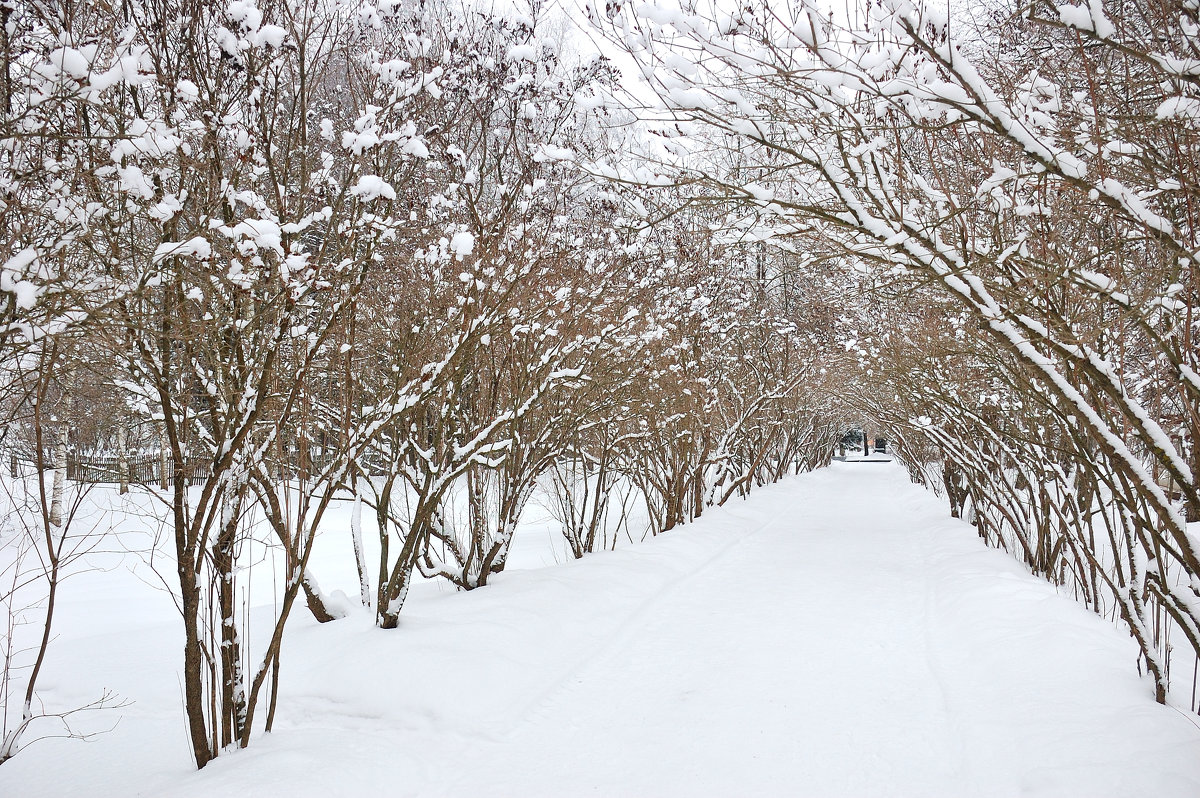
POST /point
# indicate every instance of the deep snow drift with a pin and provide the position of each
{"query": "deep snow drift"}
(835, 635)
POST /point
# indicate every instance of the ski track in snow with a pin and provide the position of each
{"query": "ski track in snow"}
(606, 649)
(733, 629)
(834, 635)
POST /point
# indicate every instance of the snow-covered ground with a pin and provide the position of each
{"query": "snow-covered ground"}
(835, 635)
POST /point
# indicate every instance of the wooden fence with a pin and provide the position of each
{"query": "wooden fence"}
(140, 469)
(146, 469)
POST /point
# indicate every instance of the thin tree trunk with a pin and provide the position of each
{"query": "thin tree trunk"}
(122, 461)
(360, 556)
(60, 478)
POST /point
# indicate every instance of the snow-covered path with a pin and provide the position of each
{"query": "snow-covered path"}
(835, 635)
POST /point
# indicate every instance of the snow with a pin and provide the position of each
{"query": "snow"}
(522, 52)
(194, 247)
(270, 36)
(257, 233)
(360, 141)
(548, 152)
(25, 293)
(187, 90)
(73, 62)
(415, 147)
(371, 187)
(134, 181)
(462, 244)
(245, 13)
(835, 635)
(1090, 18)
(1075, 16)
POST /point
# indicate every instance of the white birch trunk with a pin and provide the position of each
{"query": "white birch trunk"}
(360, 558)
(122, 461)
(60, 478)
(163, 479)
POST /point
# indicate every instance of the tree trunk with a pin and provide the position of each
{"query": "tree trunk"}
(163, 462)
(233, 693)
(193, 660)
(360, 557)
(395, 592)
(60, 478)
(122, 461)
(315, 599)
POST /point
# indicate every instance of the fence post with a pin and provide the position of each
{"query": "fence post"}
(13, 469)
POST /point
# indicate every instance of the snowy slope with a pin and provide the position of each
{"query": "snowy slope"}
(835, 635)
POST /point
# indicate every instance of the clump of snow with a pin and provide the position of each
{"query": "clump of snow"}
(74, 62)
(1087, 18)
(372, 187)
(415, 147)
(548, 152)
(522, 52)
(246, 14)
(187, 91)
(1179, 108)
(462, 244)
(270, 36)
(193, 247)
(13, 278)
(252, 235)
